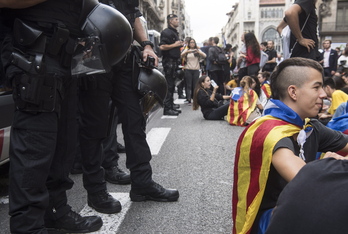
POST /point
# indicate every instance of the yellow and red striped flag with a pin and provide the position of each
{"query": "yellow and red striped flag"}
(267, 90)
(240, 110)
(251, 168)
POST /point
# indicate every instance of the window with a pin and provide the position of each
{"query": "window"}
(272, 34)
(342, 14)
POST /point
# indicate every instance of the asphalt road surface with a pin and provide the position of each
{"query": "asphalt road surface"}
(190, 154)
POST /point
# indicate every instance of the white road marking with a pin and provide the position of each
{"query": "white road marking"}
(155, 138)
(179, 101)
(111, 222)
(169, 117)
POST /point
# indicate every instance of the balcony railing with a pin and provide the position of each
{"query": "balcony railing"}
(332, 26)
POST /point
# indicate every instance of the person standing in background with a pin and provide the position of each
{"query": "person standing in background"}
(216, 72)
(252, 56)
(302, 14)
(170, 45)
(330, 59)
(192, 55)
(272, 55)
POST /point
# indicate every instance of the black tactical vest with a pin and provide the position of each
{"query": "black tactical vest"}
(65, 13)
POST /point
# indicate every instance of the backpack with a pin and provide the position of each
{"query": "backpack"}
(221, 57)
(263, 59)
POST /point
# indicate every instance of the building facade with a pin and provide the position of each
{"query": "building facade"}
(155, 12)
(263, 16)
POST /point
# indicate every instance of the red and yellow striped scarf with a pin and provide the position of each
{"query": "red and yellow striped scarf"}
(267, 90)
(239, 111)
(251, 167)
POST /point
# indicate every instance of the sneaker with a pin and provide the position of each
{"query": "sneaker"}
(73, 222)
(154, 192)
(182, 96)
(115, 175)
(103, 202)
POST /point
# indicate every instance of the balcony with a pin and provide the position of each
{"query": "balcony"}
(151, 8)
(272, 2)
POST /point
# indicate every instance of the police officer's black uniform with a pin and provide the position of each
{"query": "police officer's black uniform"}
(170, 62)
(94, 100)
(36, 60)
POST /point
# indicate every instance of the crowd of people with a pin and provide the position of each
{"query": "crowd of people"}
(295, 111)
(286, 103)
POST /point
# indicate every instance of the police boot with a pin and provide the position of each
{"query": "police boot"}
(115, 175)
(103, 202)
(154, 192)
(72, 222)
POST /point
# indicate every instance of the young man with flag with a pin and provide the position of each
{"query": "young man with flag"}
(272, 149)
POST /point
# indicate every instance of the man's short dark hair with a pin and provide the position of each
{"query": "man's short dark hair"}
(216, 40)
(264, 43)
(329, 82)
(283, 76)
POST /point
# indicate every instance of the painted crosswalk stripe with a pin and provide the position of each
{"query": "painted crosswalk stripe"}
(179, 101)
(111, 222)
(169, 117)
(155, 138)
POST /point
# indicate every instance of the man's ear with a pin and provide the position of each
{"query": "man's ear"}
(292, 92)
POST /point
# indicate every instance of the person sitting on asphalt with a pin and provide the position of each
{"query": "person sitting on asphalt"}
(211, 103)
(244, 105)
(272, 149)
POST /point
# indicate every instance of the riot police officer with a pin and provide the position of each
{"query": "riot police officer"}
(120, 85)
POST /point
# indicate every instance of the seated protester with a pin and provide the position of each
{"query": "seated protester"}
(256, 86)
(339, 82)
(211, 103)
(265, 84)
(272, 149)
(313, 202)
(244, 104)
(342, 109)
(336, 96)
(231, 85)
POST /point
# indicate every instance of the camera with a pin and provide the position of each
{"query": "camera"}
(213, 83)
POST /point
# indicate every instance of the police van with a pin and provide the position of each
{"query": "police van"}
(6, 117)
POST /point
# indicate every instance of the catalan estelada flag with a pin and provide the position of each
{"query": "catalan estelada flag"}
(267, 90)
(253, 160)
(241, 106)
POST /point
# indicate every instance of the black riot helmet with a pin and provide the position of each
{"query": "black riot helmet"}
(149, 82)
(113, 30)
(152, 86)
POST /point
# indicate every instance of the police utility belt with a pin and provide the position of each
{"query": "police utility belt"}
(36, 90)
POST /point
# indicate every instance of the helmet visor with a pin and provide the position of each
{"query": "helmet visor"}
(88, 57)
(149, 103)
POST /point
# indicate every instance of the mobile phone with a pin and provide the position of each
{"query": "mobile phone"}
(212, 82)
